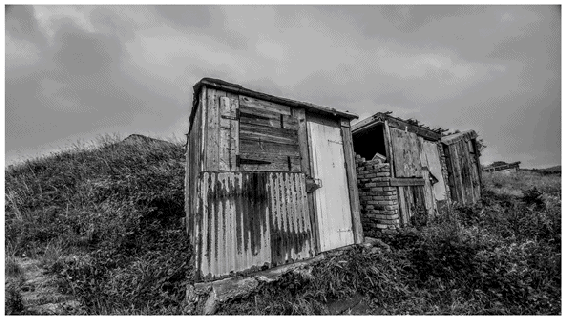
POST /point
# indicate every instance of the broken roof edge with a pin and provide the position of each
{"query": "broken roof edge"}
(453, 138)
(396, 122)
(238, 89)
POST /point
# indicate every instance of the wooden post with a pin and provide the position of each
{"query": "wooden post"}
(304, 148)
(389, 148)
(350, 164)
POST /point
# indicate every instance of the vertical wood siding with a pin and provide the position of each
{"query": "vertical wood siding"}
(406, 153)
(432, 155)
(462, 164)
(332, 199)
(411, 202)
(251, 221)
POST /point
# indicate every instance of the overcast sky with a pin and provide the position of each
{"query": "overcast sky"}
(77, 72)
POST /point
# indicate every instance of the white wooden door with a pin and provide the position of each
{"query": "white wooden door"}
(332, 200)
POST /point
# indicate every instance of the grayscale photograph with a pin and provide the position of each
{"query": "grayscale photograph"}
(282, 160)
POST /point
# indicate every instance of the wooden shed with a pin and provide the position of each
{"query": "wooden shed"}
(269, 181)
(422, 178)
(463, 165)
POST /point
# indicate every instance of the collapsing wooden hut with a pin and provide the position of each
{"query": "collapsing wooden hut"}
(463, 165)
(269, 180)
(407, 171)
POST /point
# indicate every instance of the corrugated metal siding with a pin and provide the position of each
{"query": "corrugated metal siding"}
(250, 221)
(291, 231)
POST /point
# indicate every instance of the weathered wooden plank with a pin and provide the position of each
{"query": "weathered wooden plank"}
(228, 134)
(473, 171)
(264, 105)
(251, 146)
(410, 200)
(302, 138)
(332, 200)
(274, 162)
(229, 87)
(352, 179)
(429, 200)
(467, 177)
(234, 129)
(395, 123)
(478, 166)
(267, 118)
(389, 148)
(456, 138)
(419, 196)
(456, 172)
(304, 148)
(403, 209)
(396, 182)
(450, 170)
(272, 135)
(195, 164)
(213, 129)
(406, 153)
(430, 151)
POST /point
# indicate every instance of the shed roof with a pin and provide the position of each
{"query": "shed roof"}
(395, 122)
(238, 89)
(453, 138)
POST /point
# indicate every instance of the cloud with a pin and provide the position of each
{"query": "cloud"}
(75, 71)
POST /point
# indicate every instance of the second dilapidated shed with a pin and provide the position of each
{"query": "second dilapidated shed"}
(406, 169)
(269, 180)
(463, 166)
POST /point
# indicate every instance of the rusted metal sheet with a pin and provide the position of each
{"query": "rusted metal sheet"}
(250, 221)
(291, 231)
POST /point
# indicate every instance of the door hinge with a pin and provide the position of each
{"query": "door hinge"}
(312, 184)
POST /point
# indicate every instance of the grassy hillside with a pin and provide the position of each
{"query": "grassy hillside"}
(106, 223)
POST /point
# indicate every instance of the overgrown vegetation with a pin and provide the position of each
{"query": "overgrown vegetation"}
(498, 257)
(106, 220)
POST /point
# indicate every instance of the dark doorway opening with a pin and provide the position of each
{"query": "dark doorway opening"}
(369, 142)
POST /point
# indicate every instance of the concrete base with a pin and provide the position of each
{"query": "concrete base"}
(215, 292)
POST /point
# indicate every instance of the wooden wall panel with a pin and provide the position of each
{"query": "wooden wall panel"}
(332, 199)
(302, 134)
(229, 134)
(430, 150)
(212, 142)
(406, 153)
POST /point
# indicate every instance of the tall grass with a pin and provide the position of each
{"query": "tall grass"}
(499, 257)
(107, 219)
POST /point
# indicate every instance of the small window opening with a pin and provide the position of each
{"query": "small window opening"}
(370, 143)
